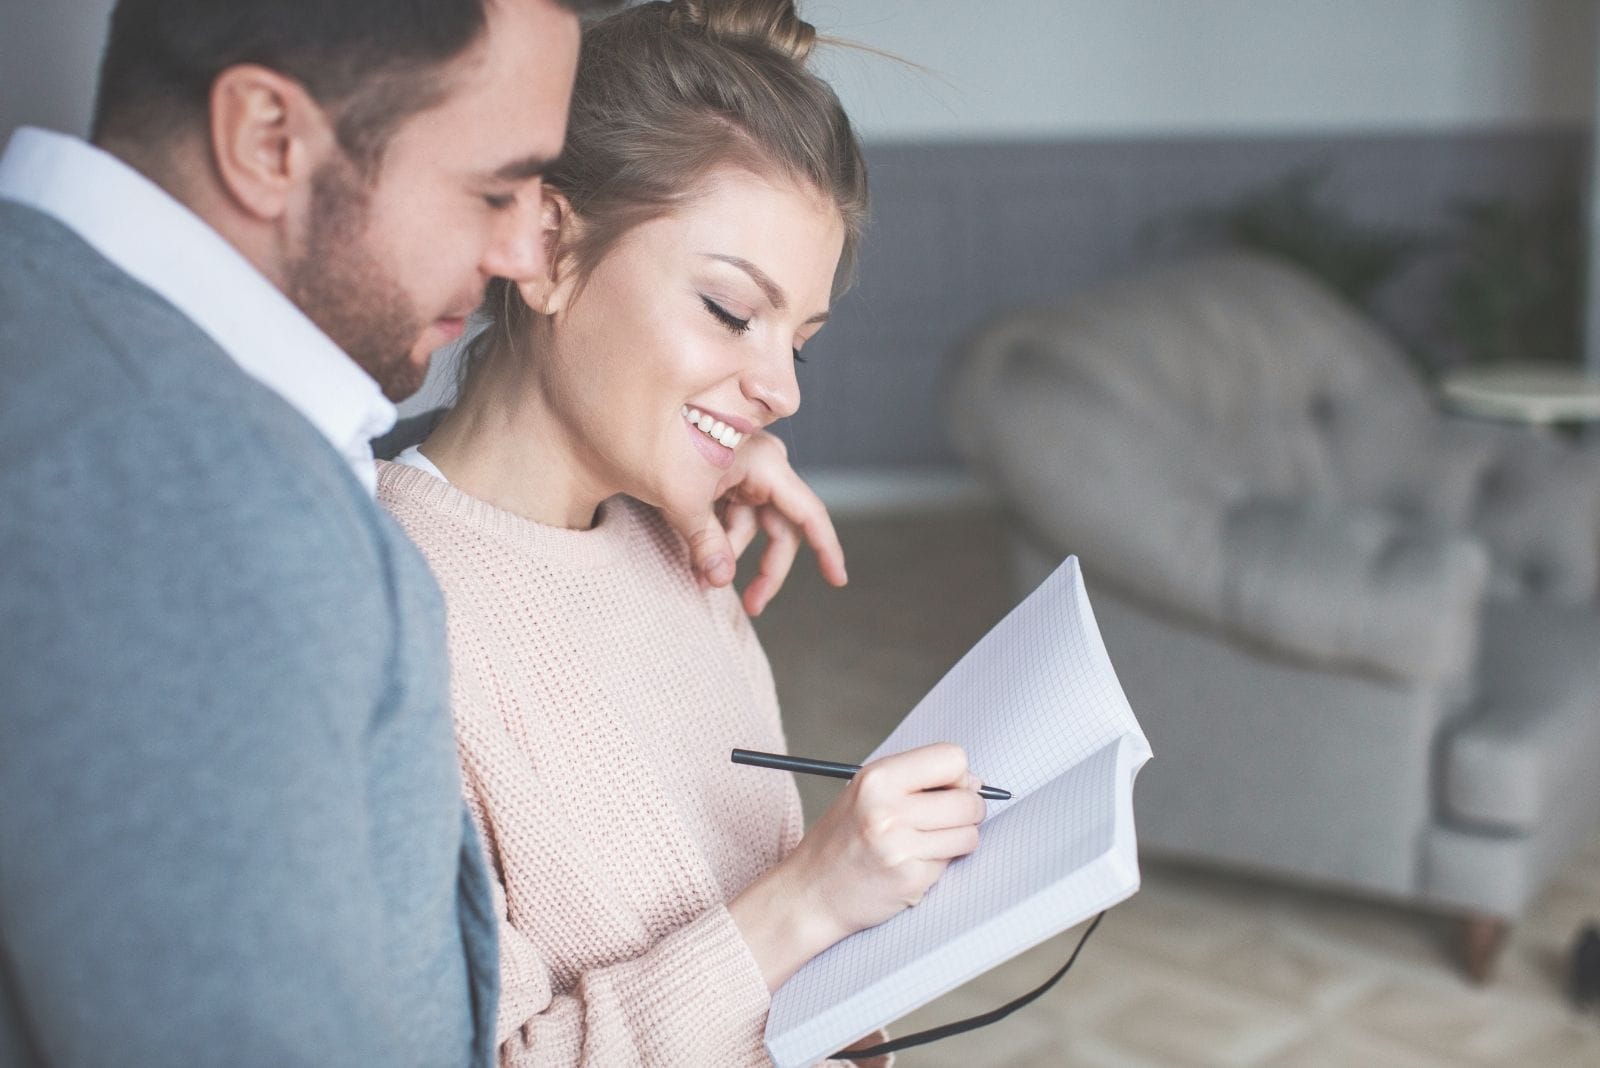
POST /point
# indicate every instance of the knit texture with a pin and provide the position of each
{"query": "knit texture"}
(597, 691)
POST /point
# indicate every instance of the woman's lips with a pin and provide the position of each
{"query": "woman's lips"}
(720, 456)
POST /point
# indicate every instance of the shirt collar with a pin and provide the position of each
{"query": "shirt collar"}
(143, 230)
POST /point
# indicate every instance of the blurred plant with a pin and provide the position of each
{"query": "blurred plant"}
(1292, 217)
(1517, 293)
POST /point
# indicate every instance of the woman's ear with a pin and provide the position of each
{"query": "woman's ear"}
(558, 229)
(267, 137)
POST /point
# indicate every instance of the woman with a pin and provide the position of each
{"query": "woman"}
(653, 894)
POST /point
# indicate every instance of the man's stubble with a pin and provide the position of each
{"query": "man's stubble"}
(343, 287)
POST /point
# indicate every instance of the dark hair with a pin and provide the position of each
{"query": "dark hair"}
(371, 63)
(666, 92)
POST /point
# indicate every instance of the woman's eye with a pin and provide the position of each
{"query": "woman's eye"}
(499, 201)
(725, 317)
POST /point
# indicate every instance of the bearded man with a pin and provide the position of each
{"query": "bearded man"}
(230, 818)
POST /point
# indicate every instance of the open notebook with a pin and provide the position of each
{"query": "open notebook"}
(1039, 711)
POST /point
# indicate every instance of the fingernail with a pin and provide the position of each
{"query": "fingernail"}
(718, 569)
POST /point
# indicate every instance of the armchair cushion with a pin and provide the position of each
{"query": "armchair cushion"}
(1353, 588)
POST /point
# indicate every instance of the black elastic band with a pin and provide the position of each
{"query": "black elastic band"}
(971, 1023)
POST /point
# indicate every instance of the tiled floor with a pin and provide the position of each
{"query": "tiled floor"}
(1199, 968)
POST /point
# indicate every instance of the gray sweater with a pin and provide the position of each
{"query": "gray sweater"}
(231, 828)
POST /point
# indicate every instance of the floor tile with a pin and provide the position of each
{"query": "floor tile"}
(1202, 967)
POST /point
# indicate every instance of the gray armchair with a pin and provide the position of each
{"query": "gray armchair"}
(1362, 636)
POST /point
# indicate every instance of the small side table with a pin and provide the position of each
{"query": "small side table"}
(1537, 394)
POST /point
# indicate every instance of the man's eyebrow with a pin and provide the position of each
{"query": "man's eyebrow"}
(774, 292)
(520, 170)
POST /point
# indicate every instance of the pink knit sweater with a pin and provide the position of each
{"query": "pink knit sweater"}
(597, 691)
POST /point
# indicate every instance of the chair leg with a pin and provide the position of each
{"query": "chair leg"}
(1482, 938)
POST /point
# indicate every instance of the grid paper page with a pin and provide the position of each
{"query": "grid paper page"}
(1037, 706)
(1036, 695)
(1045, 865)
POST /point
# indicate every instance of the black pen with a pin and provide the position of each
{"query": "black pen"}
(830, 768)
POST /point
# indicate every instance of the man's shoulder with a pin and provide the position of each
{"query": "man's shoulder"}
(77, 334)
(99, 368)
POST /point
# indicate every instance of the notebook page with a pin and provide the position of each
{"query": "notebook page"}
(1043, 865)
(1035, 696)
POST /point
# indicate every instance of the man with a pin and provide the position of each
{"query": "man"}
(230, 826)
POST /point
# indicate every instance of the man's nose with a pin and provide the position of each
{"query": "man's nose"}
(516, 249)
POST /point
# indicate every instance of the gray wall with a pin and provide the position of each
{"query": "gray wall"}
(960, 230)
(49, 51)
(1042, 137)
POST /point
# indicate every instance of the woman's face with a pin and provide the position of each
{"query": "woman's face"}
(682, 340)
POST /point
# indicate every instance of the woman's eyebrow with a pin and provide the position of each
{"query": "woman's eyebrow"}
(774, 292)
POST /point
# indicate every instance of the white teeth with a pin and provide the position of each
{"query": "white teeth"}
(713, 428)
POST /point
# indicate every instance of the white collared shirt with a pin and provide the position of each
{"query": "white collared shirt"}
(140, 228)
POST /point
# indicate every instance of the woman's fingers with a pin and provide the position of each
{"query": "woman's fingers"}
(800, 505)
(934, 810)
(710, 555)
(947, 844)
(767, 482)
(776, 560)
(739, 521)
(927, 767)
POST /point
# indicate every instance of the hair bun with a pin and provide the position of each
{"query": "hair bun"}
(774, 23)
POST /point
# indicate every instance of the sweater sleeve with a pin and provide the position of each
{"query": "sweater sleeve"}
(694, 998)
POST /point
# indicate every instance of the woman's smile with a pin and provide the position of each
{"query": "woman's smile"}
(712, 425)
(714, 439)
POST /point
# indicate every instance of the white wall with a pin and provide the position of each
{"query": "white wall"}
(1064, 68)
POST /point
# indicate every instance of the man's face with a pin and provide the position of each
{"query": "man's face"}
(393, 263)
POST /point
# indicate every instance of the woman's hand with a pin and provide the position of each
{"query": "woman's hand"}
(883, 842)
(760, 492)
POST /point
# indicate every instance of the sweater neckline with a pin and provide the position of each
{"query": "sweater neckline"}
(602, 545)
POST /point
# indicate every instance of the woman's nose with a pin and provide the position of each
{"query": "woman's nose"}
(773, 385)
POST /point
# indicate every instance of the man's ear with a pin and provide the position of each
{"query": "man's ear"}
(559, 227)
(268, 136)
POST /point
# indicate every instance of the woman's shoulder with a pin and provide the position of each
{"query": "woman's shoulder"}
(411, 495)
(644, 526)
(432, 512)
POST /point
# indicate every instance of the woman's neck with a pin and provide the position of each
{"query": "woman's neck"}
(501, 444)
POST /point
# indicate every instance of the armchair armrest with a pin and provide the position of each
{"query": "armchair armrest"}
(1536, 504)
(1353, 587)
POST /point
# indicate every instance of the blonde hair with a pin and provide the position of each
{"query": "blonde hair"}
(666, 92)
